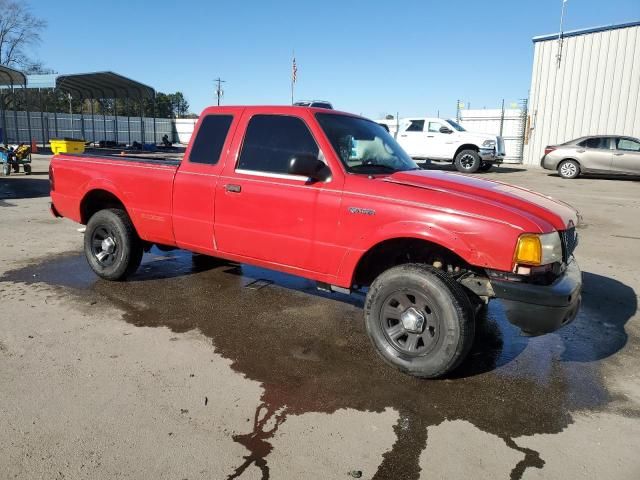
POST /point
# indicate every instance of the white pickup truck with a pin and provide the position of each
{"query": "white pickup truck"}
(446, 140)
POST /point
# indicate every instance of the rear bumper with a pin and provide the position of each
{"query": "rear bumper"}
(540, 309)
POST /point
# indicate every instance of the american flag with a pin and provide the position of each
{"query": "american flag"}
(294, 71)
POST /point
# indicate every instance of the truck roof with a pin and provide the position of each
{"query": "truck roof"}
(273, 109)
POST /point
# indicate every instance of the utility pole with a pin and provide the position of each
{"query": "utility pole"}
(219, 91)
(560, 36)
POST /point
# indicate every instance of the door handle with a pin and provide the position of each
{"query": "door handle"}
(430, 136)
(403, 135)
(580, 151)
(618, 154)
(231, 188)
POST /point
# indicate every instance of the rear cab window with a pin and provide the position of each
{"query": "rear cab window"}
(210, 138)
(271, 140)
(415, 126)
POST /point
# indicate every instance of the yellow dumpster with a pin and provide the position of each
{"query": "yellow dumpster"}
(66, 145)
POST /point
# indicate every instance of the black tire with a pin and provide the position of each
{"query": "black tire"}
(468, 161)
(448, 329)
(486, 166)
(568, 169)
(27, 169)
(123, 257)
(6, 169)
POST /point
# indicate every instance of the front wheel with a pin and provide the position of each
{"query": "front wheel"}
(111, 244)
(468, 161)
(419, 320)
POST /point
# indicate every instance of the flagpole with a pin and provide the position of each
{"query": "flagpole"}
(293, 78)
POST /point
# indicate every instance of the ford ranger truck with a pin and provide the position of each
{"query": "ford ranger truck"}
(447, 141)
(332, 197)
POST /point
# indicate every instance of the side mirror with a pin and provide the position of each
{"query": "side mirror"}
(445, 130)
(307, 165)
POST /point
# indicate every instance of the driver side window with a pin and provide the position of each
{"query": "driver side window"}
(628, 145)
(434, 127)
(271, 140)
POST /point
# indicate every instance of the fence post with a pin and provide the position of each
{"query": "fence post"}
(4, 118)
(15, 113)
(93, 120)
(26, 106)
(115, 119)
(41, 117)
(502, 118)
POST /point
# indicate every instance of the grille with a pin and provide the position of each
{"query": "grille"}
(569, 239)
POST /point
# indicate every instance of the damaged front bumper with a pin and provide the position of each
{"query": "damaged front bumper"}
(540, 309)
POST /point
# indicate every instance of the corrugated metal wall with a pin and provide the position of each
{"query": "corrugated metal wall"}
(594, 90)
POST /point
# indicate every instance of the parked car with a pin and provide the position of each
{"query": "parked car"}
(332, 197)
(610, 154)
(446, 140)
(314, 103)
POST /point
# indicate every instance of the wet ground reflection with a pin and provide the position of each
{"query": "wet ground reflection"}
(311, 354)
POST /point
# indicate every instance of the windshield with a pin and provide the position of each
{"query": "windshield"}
(364, 146)
(456, 126)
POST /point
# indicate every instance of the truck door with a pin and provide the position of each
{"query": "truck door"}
(195, 182)
(263, 212)
(440, 145)
(412, 138)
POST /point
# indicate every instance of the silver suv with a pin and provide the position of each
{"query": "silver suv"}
(610, 154)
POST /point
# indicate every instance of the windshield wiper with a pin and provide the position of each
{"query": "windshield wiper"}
(374, 166)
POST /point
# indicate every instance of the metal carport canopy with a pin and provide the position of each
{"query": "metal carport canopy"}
(103, 85)
(10, 77)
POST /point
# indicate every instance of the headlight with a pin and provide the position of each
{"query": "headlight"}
(534, 249)
(489, 143)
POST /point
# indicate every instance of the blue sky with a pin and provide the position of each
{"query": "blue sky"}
(368, 57)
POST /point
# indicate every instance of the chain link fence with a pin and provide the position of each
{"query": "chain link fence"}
(509, 123)
(25, 127)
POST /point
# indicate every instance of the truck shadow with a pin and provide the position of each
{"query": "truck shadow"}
(309, 351)
(22, 186)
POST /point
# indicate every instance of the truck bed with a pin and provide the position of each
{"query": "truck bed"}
(144, 184)
(152, 159)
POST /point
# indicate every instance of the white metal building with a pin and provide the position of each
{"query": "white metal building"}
(586, 83)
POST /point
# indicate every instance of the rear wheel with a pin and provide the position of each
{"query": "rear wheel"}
(111, 244)
(468, 161)
(419, 320)
(6, 169)
(569, 169)
(27, 169)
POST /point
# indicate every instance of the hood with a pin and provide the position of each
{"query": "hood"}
(559, 214)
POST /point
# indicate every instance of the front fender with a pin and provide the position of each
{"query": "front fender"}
(403, 229)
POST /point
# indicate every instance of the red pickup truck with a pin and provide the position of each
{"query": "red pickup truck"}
(332, 197)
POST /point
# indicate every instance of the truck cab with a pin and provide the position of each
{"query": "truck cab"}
(446, 140)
